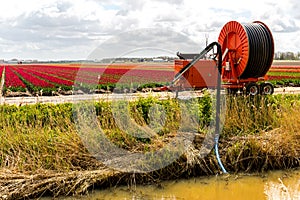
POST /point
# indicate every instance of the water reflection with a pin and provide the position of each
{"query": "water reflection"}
(269, 186)
(278, 190)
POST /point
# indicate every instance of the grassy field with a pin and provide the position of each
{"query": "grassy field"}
(41, 151)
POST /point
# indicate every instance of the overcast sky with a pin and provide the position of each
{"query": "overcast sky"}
(73, 29)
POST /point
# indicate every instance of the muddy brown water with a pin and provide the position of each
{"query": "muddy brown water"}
(270, 186)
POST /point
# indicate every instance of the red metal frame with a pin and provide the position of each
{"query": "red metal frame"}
(204, 75)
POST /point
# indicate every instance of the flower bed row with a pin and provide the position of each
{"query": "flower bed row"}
(1, 71)
(31, 79)
(12, 81)
(54, 78)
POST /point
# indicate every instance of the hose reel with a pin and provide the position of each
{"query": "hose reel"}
(250, 48)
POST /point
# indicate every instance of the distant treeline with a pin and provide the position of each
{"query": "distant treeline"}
(277, 56)
(287, 56)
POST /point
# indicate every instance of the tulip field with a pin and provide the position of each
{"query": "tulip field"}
(50, 79)
(47, 79)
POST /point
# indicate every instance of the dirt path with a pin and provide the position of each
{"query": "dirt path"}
(287, 90)
(76, 98)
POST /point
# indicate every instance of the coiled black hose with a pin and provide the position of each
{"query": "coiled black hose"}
(261, 50)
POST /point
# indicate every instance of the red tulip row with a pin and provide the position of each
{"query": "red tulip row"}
(69, 74)
(280, 77)
(30, 78)
(11, 79)
(281, 68)
(135, 76)
(54, 78)
(61, 72)
(1, 71)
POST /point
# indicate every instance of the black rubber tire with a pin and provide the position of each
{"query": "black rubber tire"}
(252, 89)
(266, 88)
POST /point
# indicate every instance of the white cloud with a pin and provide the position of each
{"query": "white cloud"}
(71, 29)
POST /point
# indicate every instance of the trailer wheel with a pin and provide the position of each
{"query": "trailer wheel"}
(252, 89)
(267, 88)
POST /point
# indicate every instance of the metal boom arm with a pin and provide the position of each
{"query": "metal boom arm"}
(196, 59)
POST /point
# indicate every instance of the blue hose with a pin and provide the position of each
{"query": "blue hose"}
(218, 156)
